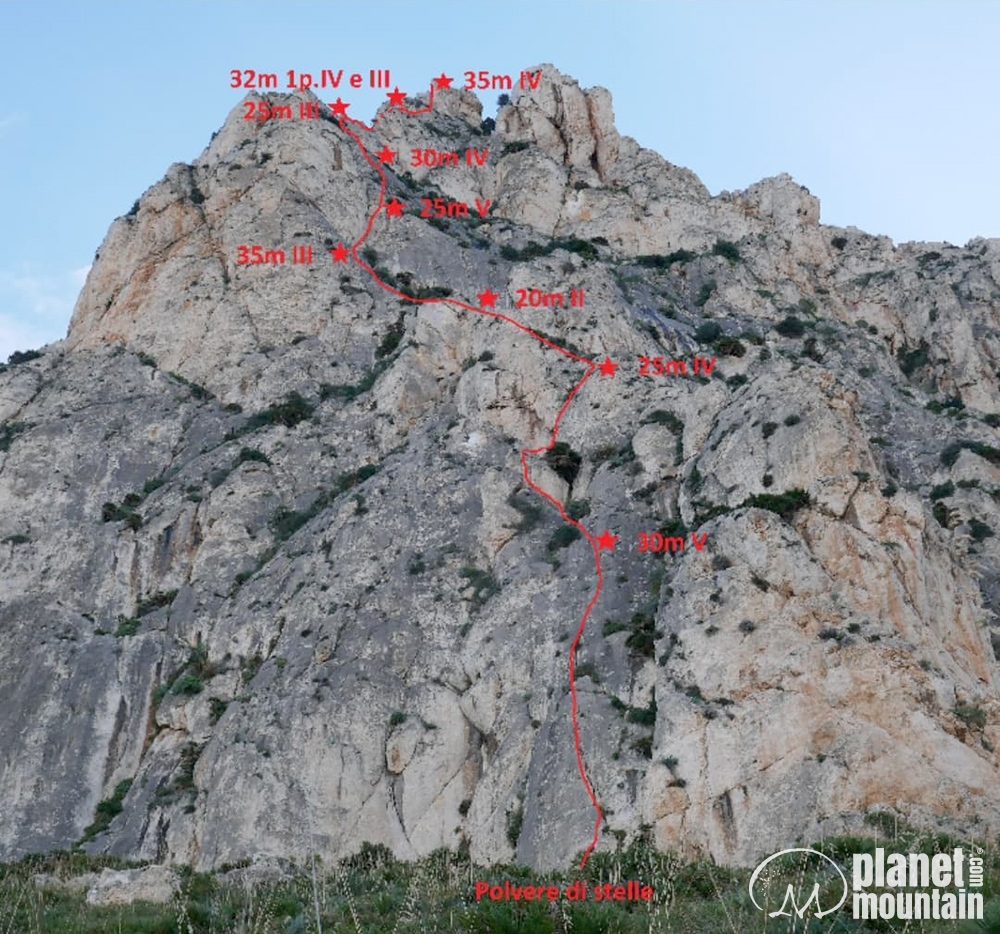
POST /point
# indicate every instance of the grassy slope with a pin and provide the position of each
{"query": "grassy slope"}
(371, 892)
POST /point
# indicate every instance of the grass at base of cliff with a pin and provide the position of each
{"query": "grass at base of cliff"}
(373, 892)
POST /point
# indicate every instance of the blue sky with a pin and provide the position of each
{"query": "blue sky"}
(886, 111)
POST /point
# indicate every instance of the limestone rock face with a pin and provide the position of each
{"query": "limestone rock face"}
(156, 884)
(275, 581)
(571, 126)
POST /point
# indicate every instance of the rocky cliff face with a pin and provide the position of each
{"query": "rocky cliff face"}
(274, 580)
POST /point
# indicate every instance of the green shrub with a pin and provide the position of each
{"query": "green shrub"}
(730, 347)
(952, 402)
(127, 627)
(943, 490)
(577, 509)
(727, 249)
(9, 432)
(790, 326)
(23, 356)
(416, 564)
(397, 718)
(110, 512)
(217, 476)
(187, 684)
(560, 342)
(107, 810)
(644, 716)
(783, 504)
(910, 360)
(979, 530)
(769, 428)
(184, 778)
(484, 585)
(198, 661)
(420, 291)
(624, 456)
(290, 412)
(198, 392)
(151, 486)
(252, 456)
(563, 537)
(675, 528)
(564, 461)
(643, 637)
(515, 821)
(249, 668)
(839, 242)
(971, 715)
(659, 261)
(705, 293)
(707, 332)
(392, 337)
(286, 522)
(583, 248)
(662, 417)
(950, 454)
(216, 708)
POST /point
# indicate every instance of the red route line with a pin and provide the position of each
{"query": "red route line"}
(591, 367)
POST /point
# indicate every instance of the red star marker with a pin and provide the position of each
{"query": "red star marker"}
(607, 368)
(395, 208)
(339, 253)
(396, 97)
(443, 81)
(339, 108)
(488, 299)
(606, 541)
(385, 154)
